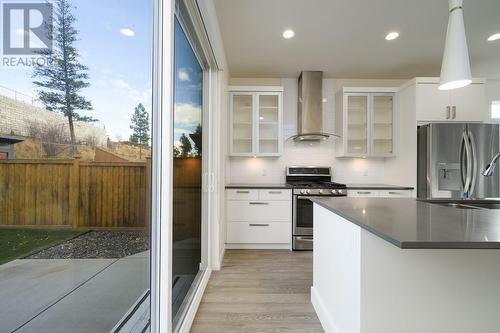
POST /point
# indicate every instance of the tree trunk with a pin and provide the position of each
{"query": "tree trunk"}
(72, 134)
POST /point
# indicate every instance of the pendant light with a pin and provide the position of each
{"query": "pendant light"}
(455, 69)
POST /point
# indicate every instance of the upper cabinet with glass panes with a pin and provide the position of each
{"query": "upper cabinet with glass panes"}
(255, 121)
(366, 120)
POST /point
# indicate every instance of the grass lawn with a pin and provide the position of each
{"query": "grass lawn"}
(18, 243)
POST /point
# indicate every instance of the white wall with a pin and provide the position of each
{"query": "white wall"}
(492, 92)
(272, 170)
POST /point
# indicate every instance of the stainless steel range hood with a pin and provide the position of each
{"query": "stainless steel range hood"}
(310, 108)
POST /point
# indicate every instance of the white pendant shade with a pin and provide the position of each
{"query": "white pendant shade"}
(455, 69)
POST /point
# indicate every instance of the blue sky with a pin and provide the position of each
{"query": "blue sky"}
(120, 66)
(187, 86)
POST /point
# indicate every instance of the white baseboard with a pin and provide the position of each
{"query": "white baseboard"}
(258, 246)
(193, 308)
(324, 317)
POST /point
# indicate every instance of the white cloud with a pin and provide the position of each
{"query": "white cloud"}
(183, 75)
(132, 93)
(187, 114)
(127, 32)
(180, 131)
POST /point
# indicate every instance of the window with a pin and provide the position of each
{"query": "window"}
(75, 195)
(495, 110)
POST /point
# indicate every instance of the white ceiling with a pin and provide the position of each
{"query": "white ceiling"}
(345, 38)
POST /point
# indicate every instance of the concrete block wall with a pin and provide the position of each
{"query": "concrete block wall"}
(16, 116)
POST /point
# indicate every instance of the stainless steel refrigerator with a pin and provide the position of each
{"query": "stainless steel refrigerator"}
(451, 157)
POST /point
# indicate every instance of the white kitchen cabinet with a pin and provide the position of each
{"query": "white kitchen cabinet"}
(258, 218)
(395, 193)
(366, 121)
(255, 121)
(463, 104)
(380, 193)
(362, 193)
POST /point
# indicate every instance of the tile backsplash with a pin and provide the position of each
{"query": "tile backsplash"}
(272, 170)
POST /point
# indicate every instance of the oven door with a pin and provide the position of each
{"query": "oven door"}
(302, 216)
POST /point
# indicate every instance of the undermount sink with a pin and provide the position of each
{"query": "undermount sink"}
(467, 203)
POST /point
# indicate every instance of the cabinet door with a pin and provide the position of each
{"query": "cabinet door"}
(432, 103)
(469, 103)
(383, 120)
(268, 120)
(242, 123)
(356, 123)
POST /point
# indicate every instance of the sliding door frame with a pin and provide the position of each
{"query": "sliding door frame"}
(162, 157)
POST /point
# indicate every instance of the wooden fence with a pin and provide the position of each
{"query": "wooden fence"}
(70, 193)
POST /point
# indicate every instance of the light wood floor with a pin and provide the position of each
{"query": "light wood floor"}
(259, 291)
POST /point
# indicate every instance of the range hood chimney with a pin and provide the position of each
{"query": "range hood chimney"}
(310, 108)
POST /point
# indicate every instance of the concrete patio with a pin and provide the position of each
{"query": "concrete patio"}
(70, 295)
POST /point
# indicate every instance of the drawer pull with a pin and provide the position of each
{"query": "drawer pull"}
(259, 203)
(243, 192)
(364, 192)
(274, 192)
(259, 224)
(394, 193)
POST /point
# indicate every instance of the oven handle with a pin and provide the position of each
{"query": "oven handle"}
(311, 196)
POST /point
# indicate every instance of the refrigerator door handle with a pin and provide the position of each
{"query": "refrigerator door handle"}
(468, 168)
(462, 164)
(474, 163)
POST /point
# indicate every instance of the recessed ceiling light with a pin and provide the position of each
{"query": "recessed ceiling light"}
(392, 35)
(494, 37)
(288, 34)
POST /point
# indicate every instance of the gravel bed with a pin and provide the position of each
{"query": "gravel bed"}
(97, 244)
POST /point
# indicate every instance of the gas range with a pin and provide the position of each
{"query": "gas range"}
(307, 182)
(314, 181)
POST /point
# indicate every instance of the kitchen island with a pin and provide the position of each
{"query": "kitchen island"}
(403, 265)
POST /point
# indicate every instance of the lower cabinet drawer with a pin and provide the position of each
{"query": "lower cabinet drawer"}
(395, 193)
(275, 194)
(259, 232)
(277, 211)
(362, 193)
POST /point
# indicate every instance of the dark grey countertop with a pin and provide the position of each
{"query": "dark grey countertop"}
(412, 224)
(377, 187)
(258, 186)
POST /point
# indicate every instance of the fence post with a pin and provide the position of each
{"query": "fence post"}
(147, 213)
(74, 190)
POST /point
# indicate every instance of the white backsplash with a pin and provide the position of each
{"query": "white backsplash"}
(272, 170)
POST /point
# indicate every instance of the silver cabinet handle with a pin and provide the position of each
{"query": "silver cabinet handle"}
(362, 192)
(259, 203)
(448, 112)
(453, 112)
(390, 192)
(274, 192)
(243, 192)
(259, 224)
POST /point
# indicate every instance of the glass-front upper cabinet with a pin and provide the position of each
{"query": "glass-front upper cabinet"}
(357, 123)
(366, 122)
(242, 106)
(256, 121)
(382, 124)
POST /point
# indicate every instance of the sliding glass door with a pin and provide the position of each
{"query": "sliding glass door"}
(188, 233)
